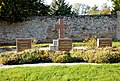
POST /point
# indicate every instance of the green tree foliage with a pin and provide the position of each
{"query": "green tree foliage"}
(94, 10)
(84, 9)
(80, 9)
(16, 10)
(105, 9)
(0, 7)
(76, 8)
(116, 6)
(59, 7)
(0, 2)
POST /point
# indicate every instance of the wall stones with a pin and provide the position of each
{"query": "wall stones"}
(42, 28)
(118, 25)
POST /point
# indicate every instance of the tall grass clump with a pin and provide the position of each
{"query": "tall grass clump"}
(91, 42)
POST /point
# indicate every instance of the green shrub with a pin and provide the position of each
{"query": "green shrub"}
(76, 55)
(98, 55)
(101, 56)
(9, 58)
(33, 56)
(63, 59)
(27, 56)
(114, 57)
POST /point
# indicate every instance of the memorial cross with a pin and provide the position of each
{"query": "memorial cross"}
(60, 26)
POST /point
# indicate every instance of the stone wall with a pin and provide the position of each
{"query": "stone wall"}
(42, 28)
(118, 26)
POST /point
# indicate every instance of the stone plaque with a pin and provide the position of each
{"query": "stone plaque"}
(23, 44)
(104, 42)
(64, 44)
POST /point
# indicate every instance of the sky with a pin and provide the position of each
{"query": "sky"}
(88, 2)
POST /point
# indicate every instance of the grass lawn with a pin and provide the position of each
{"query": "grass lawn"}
(43, 45)
(74, 44)
(78, 43)
(116, 43)
(104, 72)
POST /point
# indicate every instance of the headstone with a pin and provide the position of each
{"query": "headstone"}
(23, 44)
(60, 26)
(104, 42)
(64, 44)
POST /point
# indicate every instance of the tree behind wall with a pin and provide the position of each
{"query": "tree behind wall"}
(116, 6)
(76, 9)
(59, 7)
(84, 9)
(16, 10)
(94, 10)
(105, 9)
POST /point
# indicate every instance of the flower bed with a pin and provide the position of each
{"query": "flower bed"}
(98, 55)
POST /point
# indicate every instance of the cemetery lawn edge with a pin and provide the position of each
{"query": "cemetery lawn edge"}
(97, 72)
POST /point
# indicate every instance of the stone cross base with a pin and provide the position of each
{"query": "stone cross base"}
(53, 47)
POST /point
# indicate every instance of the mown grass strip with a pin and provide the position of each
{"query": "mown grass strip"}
(103, 72)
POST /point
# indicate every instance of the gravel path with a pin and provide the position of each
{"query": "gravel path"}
(45, 64)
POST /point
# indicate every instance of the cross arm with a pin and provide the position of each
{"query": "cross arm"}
(57, 26)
